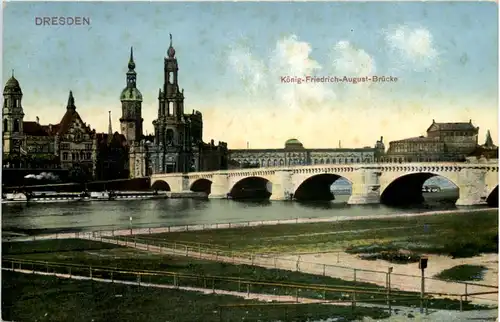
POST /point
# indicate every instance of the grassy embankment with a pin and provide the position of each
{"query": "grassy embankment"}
(456, 235)
(46, 298)
(88, 253)
(463, 273)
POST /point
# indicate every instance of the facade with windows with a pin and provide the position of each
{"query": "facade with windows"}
(295, 154)
(443, 142)
(69, 145)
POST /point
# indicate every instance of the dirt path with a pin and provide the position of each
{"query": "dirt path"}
(401, 282)
(399, 313)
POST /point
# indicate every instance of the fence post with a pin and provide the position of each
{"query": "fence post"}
(239, 285)
(466, 292)
(149, 230)
(70, 272)
(297, 295)
(33, 268)
(46, 264)
(338, 257)
(216, 254)
(186, 250)
(213, 285)
(275, 262)
(253, 257)
(139, 279)
(112, 279)
(324, 269)
(187, 227)
(354, 274)
(90, 271)
(461, 307)
(248, 290)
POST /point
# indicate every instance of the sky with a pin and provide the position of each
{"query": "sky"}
(234, 59)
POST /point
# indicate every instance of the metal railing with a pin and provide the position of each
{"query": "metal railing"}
(283, 292)
(209, 252)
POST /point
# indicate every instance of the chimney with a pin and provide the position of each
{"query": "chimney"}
(37, 120)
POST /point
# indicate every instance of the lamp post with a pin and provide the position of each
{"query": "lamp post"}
(130, 221)
(389, 271)
(422, 264)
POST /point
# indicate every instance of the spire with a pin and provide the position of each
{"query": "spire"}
(110, 129)
(131, 64)
(171, 50)
(489, 141)
(71, 101)
(131, 74)
(13, 74)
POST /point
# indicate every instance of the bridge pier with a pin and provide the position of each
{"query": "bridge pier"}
(472, 187)
(365, 187)
(282, 188)
(220, 186)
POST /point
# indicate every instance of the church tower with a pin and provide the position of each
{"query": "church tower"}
(131, 98)
(171, 130)
(12, 118)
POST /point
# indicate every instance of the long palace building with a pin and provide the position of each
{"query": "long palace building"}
(294, 153)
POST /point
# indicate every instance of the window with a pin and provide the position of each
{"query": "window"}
(65, 156)
(16, 126)
(357, 160)
(170, 108)
(5, 125)
(89, 156)
(88, 146)
(334, 161)
(82, 155)
(327, 161)
(5, 102)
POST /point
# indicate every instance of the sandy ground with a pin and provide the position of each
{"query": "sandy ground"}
(436, 264)
(349, 268)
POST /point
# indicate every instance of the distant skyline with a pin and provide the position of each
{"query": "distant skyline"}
(232, 57)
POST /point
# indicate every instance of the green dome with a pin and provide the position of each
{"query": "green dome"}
(292, 141)
(131, 94)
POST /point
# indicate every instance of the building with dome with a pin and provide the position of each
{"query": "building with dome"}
(177, 144)
(294, 153)
(71, 147)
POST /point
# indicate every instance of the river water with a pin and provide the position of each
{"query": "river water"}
(98, 215)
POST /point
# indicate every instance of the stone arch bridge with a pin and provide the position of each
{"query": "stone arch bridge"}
(371, 183)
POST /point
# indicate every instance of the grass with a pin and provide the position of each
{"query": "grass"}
(53, 245)
(456, 235)
(463, 273)
(132, 259)
(46, 298)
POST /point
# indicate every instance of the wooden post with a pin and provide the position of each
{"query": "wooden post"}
(204, 282)
(70, 272)
(275, 262)
(354, 275)
(175, 280)
(90, 271)
(213, 285)
(324, 269)
(338, 257)
(239, 285)
(186, 250)
(461, 305)
(354, 299)
(466, 292)
(46, 264)
(248, 290)
(112, 280)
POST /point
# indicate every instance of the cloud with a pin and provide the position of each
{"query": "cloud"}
(349, 60)
(290, 59)
(414, 47)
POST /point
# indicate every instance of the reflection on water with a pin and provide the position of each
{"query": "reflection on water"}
(99, 215)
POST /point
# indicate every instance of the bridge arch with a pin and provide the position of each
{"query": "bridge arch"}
(254, 187)
(492, 198)
(406, 189)
(318, 187)
(161, 185)
(201, 185)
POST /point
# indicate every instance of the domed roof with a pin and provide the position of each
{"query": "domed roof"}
(131, 94)
(12, 85)
(292, 141)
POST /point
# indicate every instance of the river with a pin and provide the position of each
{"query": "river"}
(35, 219)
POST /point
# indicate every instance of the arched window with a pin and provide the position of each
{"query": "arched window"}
(327, 161)
(321, 161)
(357, 160)
(275, 163)
(334, 161)
(281, 162)
(16, 126)
(5, 125)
